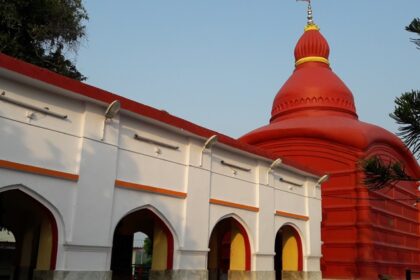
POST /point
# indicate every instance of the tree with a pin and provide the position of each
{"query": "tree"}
(42, 32)
(379, 174)
(415, 28)
(406, 113)
(148, 249)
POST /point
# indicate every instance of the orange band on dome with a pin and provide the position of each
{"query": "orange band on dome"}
(312, 59)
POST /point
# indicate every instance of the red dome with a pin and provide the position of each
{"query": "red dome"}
(312, 43)
(314, 103)
(313, 85)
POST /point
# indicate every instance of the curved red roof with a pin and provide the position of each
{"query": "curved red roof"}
(313, 85)
(340, 129)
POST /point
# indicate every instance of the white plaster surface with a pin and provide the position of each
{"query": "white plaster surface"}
(88, 210)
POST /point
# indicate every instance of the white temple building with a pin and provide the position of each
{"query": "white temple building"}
(78, 180)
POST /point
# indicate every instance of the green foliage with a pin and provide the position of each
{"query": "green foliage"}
(148, 246)
(42, 32)
(148, 249)
(407, 115)
(415, 28)
(379, 174)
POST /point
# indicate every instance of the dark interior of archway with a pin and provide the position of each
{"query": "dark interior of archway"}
(122, 247)
(219, 255)
(278, 258)
(22, 215)
(7, 254)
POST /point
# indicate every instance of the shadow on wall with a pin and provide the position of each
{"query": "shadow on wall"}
(22, 146)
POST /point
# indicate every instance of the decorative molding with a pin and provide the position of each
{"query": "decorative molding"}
(85, 248)
(372, 244)
(193, 251)
(394, 215)
(281, 179)
(267, 254)
(145, 188)
(234, 166)
(312, 26)
(38, 170)
(312, 59)
(234, 205)
(388, 229)
(344, 104)
(291, 215)
(29, 106)
(155, 142)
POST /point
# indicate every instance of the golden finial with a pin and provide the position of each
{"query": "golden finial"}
(310, 24)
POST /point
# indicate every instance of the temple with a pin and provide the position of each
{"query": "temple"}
(85, 172)
(314, 122)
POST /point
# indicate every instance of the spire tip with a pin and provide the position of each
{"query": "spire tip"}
(310, 16)
(310, 24)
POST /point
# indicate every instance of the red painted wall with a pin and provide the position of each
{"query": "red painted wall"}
(361, 237)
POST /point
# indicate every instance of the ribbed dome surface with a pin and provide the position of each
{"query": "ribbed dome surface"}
(312, 43)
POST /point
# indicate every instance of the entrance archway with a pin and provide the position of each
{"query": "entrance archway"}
(35, 231)
(160, 237)
(229, 249)
(288, 248)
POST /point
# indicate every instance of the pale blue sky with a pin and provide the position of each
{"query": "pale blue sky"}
(219, 63)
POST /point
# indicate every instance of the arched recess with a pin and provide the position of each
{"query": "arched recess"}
(162, 240)
(288, 249)
(34, 228)
(230, 249)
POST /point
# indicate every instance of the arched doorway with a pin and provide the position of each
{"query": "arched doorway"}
(35, 232)
(124, 246)
(288, 248)
(229, 249)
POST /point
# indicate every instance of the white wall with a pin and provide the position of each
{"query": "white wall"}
(89, 209)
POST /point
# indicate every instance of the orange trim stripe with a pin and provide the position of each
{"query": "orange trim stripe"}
(38, 170)
(291, 215)
(139, 187)
(234, 205)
